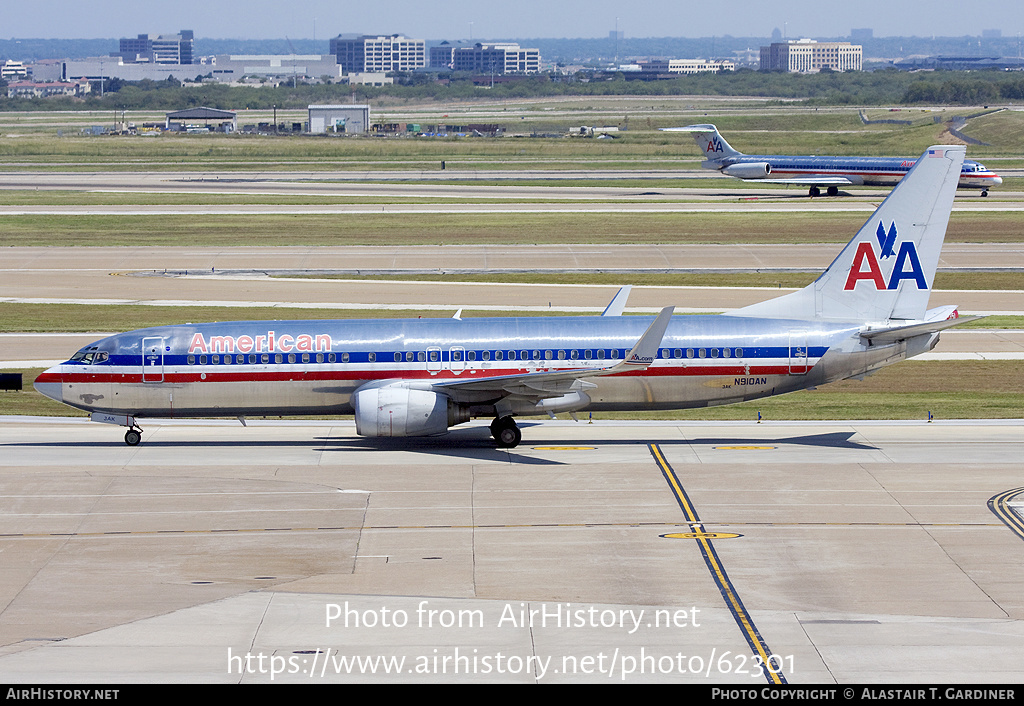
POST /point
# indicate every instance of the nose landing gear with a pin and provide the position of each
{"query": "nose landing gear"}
(133, 436)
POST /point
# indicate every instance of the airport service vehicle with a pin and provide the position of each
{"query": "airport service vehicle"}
(419, 377)
(816, 172)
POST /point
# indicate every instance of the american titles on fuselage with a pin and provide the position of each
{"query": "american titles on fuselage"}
(266, 343)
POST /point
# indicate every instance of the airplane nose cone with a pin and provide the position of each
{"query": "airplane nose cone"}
(49, 384)
(997, 180)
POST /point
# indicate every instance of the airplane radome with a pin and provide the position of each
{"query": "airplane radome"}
(815, 172)
(419, 377)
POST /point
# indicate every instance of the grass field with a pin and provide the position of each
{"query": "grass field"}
(32, 142)
(459, 228)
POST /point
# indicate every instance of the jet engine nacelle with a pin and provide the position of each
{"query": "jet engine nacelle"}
(396, 410)
(749, 170)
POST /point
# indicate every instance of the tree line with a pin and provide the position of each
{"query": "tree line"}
(886, 87)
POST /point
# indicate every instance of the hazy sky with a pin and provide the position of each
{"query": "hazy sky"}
(261, 19)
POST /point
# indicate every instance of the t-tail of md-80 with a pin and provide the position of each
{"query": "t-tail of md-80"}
(816, 172)
(419, 377)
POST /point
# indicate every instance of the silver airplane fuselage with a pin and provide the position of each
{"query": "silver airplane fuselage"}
(314, 367)
(858, 171)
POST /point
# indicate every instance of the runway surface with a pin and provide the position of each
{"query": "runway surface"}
(854, 552)
(400, 190)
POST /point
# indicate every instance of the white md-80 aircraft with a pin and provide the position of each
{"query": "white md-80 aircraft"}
(418, 377)
(816, 172)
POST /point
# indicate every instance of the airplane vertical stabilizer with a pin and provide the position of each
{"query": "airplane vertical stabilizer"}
(886, 271)
(711, 144)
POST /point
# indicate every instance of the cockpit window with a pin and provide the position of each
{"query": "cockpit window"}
(90, 356)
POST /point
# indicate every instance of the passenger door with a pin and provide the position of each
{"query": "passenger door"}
(152, 360)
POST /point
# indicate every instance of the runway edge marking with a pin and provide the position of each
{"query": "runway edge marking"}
(732, 599)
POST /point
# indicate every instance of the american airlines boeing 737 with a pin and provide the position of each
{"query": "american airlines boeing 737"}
(419, 377)
(815, 172)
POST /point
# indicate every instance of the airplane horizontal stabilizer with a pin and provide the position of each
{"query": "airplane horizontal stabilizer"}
(902, 333)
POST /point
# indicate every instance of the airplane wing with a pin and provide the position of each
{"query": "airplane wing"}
(554, 383)
(809, 181)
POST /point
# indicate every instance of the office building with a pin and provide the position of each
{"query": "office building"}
(487, 58)
(164, 49)
(809, 56)
(362, 53)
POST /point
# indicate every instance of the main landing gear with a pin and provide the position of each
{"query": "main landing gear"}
(506, 433)
(831, 191)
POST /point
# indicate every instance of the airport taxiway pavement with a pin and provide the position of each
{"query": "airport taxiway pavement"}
(235, 275)
(859, 552)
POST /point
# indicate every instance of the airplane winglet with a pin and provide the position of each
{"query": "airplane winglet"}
(646, 349)
(618, 303)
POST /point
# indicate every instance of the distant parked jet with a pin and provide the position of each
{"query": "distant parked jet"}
(815, 172)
